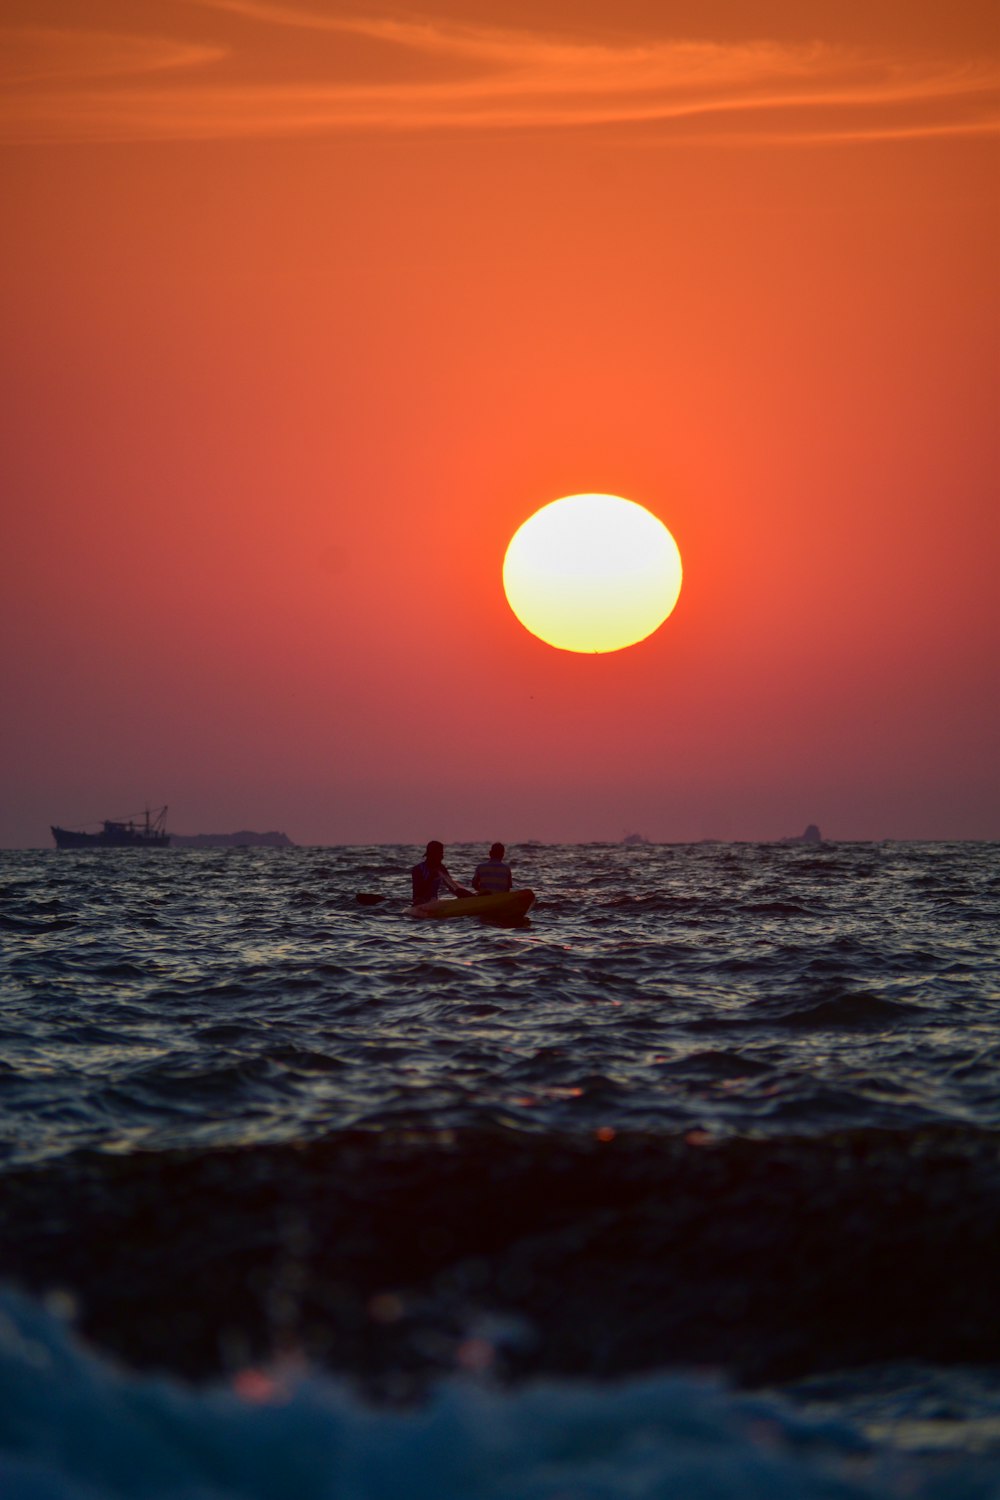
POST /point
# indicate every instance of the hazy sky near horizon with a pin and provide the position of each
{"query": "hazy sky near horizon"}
(306, 309)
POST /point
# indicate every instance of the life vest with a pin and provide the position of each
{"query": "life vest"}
(492, 877)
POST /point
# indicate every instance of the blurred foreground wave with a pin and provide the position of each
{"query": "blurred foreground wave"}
(72, 1427)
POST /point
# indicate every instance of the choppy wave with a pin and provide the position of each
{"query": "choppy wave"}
(770, 1260)
(73, 1427)
(176, 997)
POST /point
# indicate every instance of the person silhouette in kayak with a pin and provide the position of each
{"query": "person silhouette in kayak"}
(493, 876)
(431, 874)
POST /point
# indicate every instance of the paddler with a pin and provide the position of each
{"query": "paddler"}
(430, 875)
(493, 876)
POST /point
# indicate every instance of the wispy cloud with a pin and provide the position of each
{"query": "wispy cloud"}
(48, 57)
(81, 85)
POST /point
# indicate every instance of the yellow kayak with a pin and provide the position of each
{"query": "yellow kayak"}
(505, 905)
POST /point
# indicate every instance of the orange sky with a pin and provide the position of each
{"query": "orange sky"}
(304, 313)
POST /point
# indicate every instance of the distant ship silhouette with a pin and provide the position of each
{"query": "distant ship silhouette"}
(124, 834)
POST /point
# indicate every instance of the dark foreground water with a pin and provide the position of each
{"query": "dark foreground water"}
(690, 1186)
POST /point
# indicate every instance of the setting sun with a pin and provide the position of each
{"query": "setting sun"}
(592, 573)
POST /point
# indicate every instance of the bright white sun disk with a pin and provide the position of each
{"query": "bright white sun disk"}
(592, 573)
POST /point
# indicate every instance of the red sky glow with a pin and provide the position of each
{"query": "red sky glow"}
(306, 310)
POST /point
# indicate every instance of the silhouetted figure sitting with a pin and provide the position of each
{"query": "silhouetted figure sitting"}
(493, 876)
(430, 875)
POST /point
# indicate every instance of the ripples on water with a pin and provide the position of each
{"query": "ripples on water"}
(721, 1105)
(244, 996)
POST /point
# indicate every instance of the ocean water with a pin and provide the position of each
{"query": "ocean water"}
(689, 1185)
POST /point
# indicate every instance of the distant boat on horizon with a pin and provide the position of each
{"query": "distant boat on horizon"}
(118, 834)
(811, 835)
(635, 838)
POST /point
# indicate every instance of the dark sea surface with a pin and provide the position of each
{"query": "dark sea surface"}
(688, 1186)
